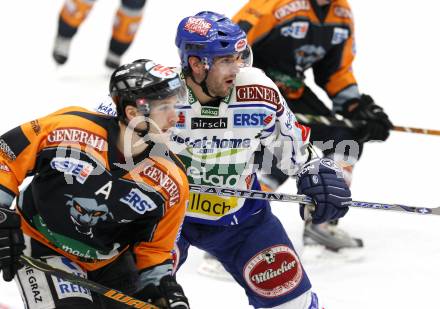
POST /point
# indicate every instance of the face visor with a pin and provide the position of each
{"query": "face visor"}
(173, 91)
(233, 63)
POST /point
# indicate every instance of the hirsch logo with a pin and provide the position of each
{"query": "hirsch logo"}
(257, 93)
(75, 135)
(273, 272)
(197, 25)
(209, 123)
(292, 7)
(138, 201)
(167, 183)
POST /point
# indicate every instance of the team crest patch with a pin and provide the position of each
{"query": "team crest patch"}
(240, 45)
(273, 272)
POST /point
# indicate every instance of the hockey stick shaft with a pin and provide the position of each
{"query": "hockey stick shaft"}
(354, 124)
(281, 197)
(417, 130)
(93, 286)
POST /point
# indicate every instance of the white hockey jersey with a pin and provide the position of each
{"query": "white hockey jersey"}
(217, 145)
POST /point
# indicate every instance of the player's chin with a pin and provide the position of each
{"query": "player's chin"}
(228, 86)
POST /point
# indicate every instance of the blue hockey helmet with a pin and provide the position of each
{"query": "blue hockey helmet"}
(207, 35)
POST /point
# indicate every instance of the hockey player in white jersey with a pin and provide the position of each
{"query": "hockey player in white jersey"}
(232, 110)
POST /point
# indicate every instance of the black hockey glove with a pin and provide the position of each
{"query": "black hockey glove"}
(11, 243)
(323, 181)
(168, 295)
(378, 125)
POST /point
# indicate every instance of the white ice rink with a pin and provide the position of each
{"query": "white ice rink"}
(397, 63)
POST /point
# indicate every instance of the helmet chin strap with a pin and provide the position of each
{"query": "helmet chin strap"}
(141, 133)
(203, 85)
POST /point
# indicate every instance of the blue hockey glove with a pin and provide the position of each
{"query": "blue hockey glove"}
(323, 181)
(11, 243)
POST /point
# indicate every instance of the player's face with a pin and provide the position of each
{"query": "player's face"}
(221, 76)
(163, 115)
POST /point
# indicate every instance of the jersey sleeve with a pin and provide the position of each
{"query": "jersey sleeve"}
(159, 249)
(256, 19)
(334, 72)
(19, 150)
(284, 137)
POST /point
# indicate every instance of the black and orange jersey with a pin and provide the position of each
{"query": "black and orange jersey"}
(290, 36)
(85, 200)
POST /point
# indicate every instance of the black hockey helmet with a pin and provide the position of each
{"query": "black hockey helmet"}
(141, 81)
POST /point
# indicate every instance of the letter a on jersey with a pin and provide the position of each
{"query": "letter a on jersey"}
(105, 189)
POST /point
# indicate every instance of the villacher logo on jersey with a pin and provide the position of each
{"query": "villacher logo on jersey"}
(209, 123)
(273, 272)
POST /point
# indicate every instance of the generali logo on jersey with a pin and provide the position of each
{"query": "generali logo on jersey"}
(257, 93)
(292, 7)
(273, 272)
(163, 180)
(75, 135)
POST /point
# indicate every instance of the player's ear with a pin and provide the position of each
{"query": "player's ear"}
(130, 112)
(196, 66)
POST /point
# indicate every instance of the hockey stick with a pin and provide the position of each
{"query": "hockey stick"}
(281, 197)
(354, 124)
(93, 286)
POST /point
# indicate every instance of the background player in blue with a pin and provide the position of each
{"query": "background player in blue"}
(232, 110)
